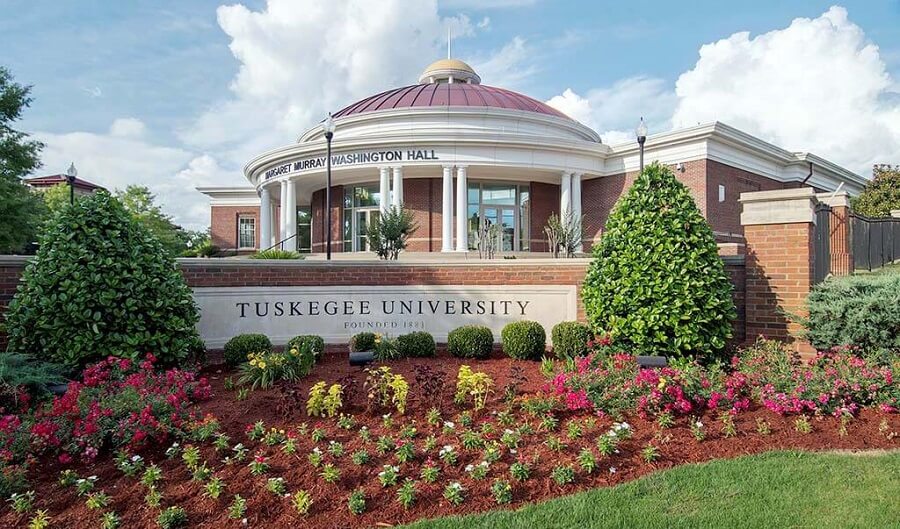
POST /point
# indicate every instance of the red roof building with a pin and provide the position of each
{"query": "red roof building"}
(41, 183)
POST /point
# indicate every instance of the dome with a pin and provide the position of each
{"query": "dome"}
(449, 70)
(449, 95)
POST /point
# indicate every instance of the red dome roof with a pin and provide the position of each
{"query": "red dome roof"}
(449, 95)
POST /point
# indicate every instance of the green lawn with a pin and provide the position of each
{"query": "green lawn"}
(777, 489)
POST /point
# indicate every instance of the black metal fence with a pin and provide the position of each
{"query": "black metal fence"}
(874, 242)
(822, 243)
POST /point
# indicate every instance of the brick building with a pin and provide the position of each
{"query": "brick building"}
(461, 155)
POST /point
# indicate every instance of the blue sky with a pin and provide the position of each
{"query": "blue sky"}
(151, 92)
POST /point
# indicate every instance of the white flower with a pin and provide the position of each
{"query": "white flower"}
(395, 469)
(617, 450)
(612, 470)
(317, 450)
(92, 478)
(448, 424)
(484, 464)
(175, 445)
(699, 424)
(469, 468)
(135, 459)
(386, 416)
(513, 451)
(456, 485)
(507, 431)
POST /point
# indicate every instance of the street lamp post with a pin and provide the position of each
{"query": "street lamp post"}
(329, 134)
(641, 133)
(71, 173)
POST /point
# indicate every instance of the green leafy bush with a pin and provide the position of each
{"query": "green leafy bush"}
(264, 369)
(657, 283)
(275, 253)
(364, 341)
(524, 340)
(881, 194)
(101, 285)
(470, 341)
(22, 371)
(237, 348)
(315, 342)
(416, 345)
(388, 234)
(570, 339)
(860, 310)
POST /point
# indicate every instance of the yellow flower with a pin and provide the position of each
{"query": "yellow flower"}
(253, 362)
(262, 365)
(662, 383)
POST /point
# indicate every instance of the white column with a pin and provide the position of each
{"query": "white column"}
(384, 188)
(447, 211)
(462, 221)
(576, 205)
(284, 207)
(291, 215)
(565, 195)
(265, 218)
(397, 197)
(273, 223)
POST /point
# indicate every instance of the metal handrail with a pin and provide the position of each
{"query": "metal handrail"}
(281, 243)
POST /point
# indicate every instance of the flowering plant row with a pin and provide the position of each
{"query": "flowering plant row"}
(118, 403)
(835, 382)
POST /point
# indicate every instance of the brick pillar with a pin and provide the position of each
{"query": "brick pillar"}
(839, 228)
(778, 228)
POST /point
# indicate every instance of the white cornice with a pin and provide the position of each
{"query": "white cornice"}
(230, 196)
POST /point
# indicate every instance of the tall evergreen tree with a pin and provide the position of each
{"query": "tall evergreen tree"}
(21, 209)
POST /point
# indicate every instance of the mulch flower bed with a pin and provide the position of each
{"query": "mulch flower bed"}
(285, 410)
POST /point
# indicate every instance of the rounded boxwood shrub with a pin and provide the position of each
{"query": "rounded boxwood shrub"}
(470, 341)
(237, 348)
(415, 344)
(570, 339)
(524, 340)
(657, 284)
(860, 310)
(101, 284)
(315, 342)
(363, 341)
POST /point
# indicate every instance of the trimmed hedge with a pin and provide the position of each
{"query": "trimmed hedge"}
(101, 285)
(657, 284)
(861, 310)
(470, 341)
(570, 339)
(524, 340)
(417, 344)
(364, 341)
(315, 342)
(237, 348)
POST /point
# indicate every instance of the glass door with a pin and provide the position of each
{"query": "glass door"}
(505, 218)
(362, 220)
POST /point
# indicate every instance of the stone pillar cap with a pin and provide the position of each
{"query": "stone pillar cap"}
(782, 206)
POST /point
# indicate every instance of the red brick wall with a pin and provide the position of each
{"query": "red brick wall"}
(224, 224)
(317, 206)
(229, 272)
(423, 197)
(779, 268)
(726, 216)
(544, 202)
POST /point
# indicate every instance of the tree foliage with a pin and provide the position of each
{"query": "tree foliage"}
(141, 204)
(881, 194)
(101, 285)
(21, 210)
(389, 233)
(657, 283)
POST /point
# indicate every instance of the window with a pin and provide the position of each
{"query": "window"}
(304, 229)
(721, 193)
(246, 232)
(361, 207)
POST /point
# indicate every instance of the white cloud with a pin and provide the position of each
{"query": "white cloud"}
(508, 67)
(122, 157)
(615, 111)
(127, 128)
(487, 4)
(301, 59)
(817, 85)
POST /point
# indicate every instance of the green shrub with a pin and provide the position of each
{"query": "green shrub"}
(524, 340)
(315, 342)
(388, 233)
(570, 339)
(364, 341)
(171, 518)
(416, 344)
(470, 341)
(275, 253)
(264, 369)
(237, 348)
(386, 349)
(22, 371)
(101, 285)
(861, 310)
(657, 283)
